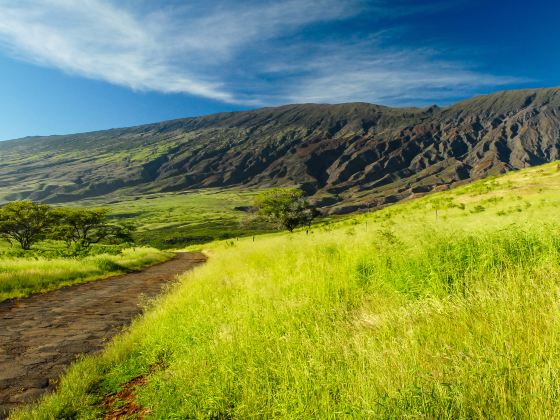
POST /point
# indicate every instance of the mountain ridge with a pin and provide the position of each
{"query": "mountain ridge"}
(346, 156)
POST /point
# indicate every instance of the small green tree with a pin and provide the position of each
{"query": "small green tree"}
(84, 227)
(24, 222)
(285, 207)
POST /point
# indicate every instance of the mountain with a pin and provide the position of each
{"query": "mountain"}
(346, 156)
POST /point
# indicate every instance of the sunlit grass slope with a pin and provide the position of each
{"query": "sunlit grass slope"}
(394, 314)
(23, 276)
(172, 220)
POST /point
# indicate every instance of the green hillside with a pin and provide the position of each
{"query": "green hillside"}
(345, 156)
(403, 312)
(175, 220)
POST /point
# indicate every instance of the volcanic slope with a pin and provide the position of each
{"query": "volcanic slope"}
(348, 156)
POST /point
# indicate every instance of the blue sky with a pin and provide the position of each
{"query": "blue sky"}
(70, 66)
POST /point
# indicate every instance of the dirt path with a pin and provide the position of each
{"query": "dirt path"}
(41, 335)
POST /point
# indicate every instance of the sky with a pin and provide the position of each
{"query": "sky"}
(70, 66)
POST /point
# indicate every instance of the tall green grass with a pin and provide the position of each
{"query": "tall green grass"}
(20, 277)
(403, 317)
(458, 326)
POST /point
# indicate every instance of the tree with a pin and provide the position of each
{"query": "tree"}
(286, 207)
(24, 222)
(84, 227)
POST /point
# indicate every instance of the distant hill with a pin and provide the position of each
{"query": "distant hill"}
(347, 156)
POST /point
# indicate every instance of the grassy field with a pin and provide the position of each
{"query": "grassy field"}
(174, 220)
(23, 276)
(163, 221)
(442, 307)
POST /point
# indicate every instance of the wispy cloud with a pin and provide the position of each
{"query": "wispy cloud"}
(99, 40)
(364, 72)
(250, 52)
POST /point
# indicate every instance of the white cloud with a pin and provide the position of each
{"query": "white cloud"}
(237, 52)
(387, 76)
(98, 40)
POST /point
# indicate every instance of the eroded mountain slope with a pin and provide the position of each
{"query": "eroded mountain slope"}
(348, 156)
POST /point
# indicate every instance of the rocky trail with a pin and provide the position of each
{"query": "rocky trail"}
(43, 334)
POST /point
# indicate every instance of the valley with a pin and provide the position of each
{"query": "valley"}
(175, 220)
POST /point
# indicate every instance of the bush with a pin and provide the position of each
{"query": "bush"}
(109, 266)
